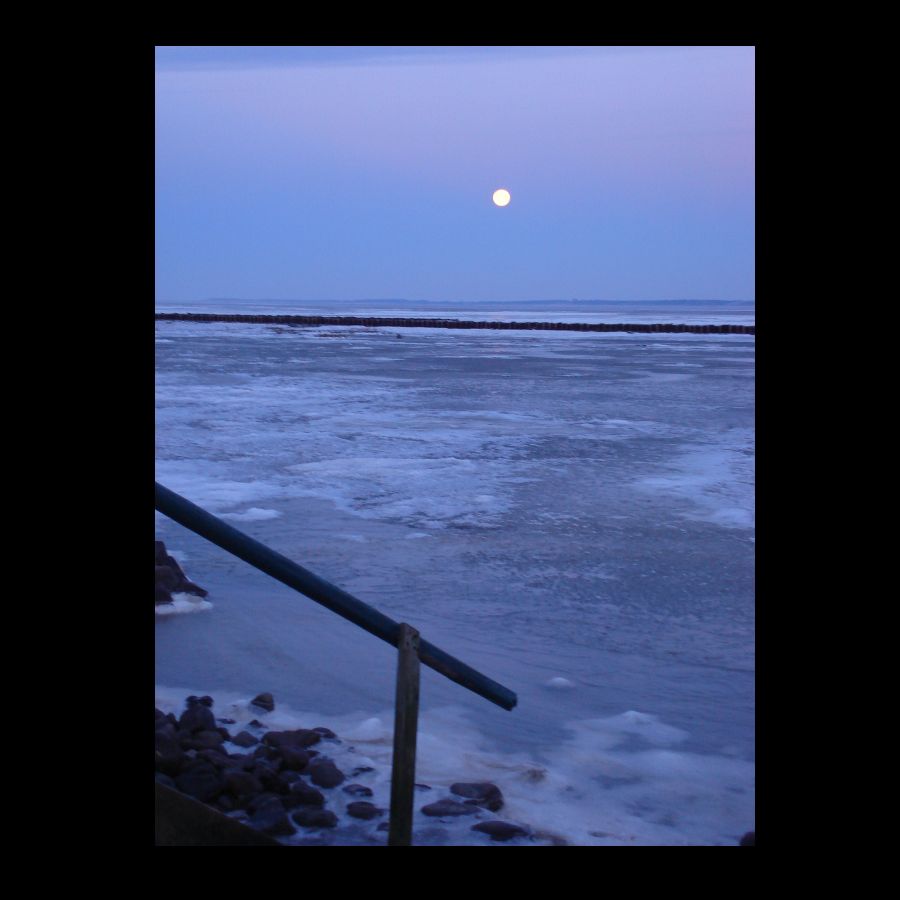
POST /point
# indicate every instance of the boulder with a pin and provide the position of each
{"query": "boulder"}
(312, 817)
(325, 773)
(302, 794)
(264, 701)
(500, 831)
(300, 737)
(361, 809)
(204, 784)
(358, 790)
(449, 807)
(244, 739)
(197, 717)
(271, 819)
(293, 758)
(480, 793)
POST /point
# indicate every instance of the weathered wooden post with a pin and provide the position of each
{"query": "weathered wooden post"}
(406, 720)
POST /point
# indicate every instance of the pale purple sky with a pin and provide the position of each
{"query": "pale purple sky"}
(355, 173)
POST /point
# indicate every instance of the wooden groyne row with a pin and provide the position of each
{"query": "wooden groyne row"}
(392, 322)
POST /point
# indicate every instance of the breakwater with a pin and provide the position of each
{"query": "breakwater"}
(395, 322)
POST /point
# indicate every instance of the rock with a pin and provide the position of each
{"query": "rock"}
(217, 758)
(325, 732)
(226, 721)
(422, 787)
(449, 808)
(302, 794)
(201, 783)
(300, 737)
(500, 831)
(169, 755)
(161, 596)
(293, 758)
(264, 701)
(749, 839)
(203, 740)
(240, 784)
(361, 809)
(359, 770)
(226, 734)
(481, 793)
(258, 801)
(272, 819)
(311, 817)
(206, 701)
(225, 803)
(325, 773)
(358, 790)
(197, 717)
(270, 778)
(244, 739)
(166, 578)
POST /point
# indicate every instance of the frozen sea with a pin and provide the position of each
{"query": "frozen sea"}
(570, 513)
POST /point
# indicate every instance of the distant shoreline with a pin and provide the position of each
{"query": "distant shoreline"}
(403, 322)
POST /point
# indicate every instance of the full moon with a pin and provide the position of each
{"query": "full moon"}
(501, 197)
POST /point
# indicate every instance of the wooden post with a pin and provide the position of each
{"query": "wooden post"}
(406, 718)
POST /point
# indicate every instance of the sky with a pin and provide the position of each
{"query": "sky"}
(357, 173)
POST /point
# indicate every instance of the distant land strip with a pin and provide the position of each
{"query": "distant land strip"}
(392, 322)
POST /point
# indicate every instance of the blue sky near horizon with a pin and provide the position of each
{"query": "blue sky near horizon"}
(348, 173)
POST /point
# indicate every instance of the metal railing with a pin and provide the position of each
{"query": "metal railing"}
(411, 648)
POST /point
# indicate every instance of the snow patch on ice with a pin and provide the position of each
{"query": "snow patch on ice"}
(253, 514)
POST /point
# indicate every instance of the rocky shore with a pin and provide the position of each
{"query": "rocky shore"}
(287, 785)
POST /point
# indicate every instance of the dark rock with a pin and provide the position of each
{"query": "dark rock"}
(161, 595)
(244, 739)
(255, 723)
(300, 737)
(239, 784)
(206, 701)
(203, 784)
(226, 734)
(264, 701)
(358, 790)
(226, 721)
(225, 803)
(749, 839)
(422, 787)
(302, 794)
(359, 770)
(289, 775)
(270, 754)
(293, 758)
(271, 819)
(270, 778)
(197, 718)
(169, 755)
(311, 817)
(383, 826)
(449, 808)
(160, 714)
(217, 758)
(325, 773)
(255, 802)
(361, 809)
(500, 831)
(203, 740)
(166, 578)
(325, 732)
(481, 793)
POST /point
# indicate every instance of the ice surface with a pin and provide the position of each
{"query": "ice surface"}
(545, 506)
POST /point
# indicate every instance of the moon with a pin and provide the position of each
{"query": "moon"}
(501, 197)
